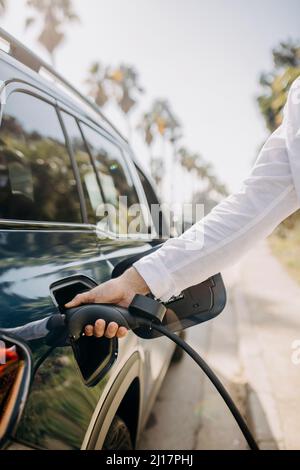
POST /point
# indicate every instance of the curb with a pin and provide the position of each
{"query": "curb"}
(262, 412)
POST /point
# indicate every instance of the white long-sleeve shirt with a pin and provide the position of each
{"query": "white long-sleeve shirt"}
(269, 195)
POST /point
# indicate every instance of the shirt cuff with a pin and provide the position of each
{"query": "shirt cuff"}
(156, 276)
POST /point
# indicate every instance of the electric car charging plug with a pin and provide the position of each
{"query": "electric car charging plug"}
(143, 312)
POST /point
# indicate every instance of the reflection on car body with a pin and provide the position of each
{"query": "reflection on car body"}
(59, 159)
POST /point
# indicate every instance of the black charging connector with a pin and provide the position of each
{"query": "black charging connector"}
(146, 312)
(147, 308)
(150, 309)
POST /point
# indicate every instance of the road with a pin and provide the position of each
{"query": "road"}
(249, 347)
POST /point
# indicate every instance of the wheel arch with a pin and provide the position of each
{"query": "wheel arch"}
(129, 409)
(123, 399)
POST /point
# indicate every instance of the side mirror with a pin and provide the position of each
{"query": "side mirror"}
(15, 378)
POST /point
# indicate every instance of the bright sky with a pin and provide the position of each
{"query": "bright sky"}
(204, 56)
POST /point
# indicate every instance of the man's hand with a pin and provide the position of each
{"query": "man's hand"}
(120, 291)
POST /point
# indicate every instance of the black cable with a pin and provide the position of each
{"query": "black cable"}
(214, 379)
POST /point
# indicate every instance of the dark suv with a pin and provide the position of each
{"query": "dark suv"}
(59, 160)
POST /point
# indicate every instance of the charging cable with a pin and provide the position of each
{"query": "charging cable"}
(215, 381)
(143, 313)
(148, 313)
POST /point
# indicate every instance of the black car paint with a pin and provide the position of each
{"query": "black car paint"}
(61, 411)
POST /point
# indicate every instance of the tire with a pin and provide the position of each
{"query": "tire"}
(118, 436)
(178, 353)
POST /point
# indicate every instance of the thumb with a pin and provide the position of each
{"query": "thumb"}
(84, 298)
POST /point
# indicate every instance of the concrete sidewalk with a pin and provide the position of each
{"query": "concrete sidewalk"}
(250, 347)
(268, 304)
(189, 414)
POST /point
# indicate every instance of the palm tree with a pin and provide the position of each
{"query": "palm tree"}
(275, 87)
(273, 99)
(160, 122)
(125, 89)
(54, 15)
(119, 85)
(276, 84)
(187, 159)
(287, 54)
(97, 84)
(196, 166)
(3, 7)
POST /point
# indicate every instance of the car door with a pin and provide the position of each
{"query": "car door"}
(118, 178)
(44, 237)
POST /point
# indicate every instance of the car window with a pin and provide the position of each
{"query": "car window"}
(115, 178)
(91, 189)
(36, 177)
(153, 203)
(148, 189)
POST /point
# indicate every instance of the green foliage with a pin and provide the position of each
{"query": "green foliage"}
(285, 244)
(276, 84)
(120, 84)
(161, 123)
(60, 407)
(194, 163)
(44, 160)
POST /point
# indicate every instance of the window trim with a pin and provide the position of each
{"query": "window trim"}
(83, 207)
(61, 111)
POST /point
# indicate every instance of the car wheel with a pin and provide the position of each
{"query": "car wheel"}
(118, 436)
(178, 353)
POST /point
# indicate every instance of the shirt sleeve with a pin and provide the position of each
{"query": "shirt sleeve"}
(267, 197)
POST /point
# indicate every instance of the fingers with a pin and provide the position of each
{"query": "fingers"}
(112, 330)
(122, 332)
(99, 328)
(84, 298)
(89, 330)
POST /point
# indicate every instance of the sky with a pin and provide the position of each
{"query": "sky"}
(204, 57)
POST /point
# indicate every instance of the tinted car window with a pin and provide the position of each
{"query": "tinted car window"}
(152, 199)
(114, 176)
(36, 177)
(113, 173)
(91, 189)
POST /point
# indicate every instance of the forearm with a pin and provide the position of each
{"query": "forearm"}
(268, 197)
(220, 239)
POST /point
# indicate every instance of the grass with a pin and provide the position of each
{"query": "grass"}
(285, 245)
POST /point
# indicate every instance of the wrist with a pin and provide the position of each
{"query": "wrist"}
(136, 282)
